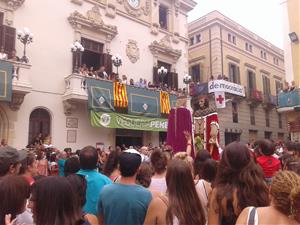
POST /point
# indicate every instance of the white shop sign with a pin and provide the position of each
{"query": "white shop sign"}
(225, 86)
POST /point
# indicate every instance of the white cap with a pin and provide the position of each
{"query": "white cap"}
(133, 151)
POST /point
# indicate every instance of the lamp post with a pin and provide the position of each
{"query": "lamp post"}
(187, 80)
(25, 37)
(76, 49)
(162, 72)
(117, 61)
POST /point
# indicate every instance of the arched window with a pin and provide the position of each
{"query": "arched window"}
(39, 123)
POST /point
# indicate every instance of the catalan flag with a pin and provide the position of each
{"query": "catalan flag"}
(165, 106)
(120, 95)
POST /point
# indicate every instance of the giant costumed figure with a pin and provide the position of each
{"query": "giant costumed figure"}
(180, 122)
(207, 127)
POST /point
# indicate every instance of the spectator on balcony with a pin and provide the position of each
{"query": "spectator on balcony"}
(220, 77)
(131, 82)
(13, 56)
(102, 74)
(211, 78)
(139, 83)
(3, 55)
(145, 83)
(91, 72)
(286, 87)
(124, 79)
(3, 143)
(293, 86)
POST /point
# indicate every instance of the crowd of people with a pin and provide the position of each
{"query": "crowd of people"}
(257, 184)
(101, 74)
(12, 56)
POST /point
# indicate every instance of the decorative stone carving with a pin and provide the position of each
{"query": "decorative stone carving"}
(175, 38)
(166, 42)
(94, 15)
(110, 10)
(177, 5)
(77, 2)
(69, 107)
(132, 51)
(16, 101)
(143, 9)
(92, 21)
(14, 4)
(154, 28)
(164, 47)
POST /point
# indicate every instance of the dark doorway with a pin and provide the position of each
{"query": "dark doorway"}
(129, 137)
(39, 123)
(162, 137)
(231, 137)
(91, 59)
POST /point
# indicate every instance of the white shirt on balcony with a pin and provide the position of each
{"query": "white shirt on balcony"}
(3, 56)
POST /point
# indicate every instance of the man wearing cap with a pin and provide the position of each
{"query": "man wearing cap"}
(124, 202)
(10, 160)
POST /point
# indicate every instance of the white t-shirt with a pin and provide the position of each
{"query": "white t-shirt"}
(158, 185)
(3, 56)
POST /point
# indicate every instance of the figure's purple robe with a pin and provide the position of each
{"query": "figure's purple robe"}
(179, 120)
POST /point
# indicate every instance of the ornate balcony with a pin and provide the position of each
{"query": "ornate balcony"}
(289, 101)
(21, 84)
(254, 96)
(75, 88)
(75, 92)
(269, 101)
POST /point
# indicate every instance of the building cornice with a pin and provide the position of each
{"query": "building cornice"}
(93, 21)
(250, 66)
(164, 47)
(14, 4)
(232, 58)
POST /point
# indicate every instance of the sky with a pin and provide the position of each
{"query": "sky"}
(263, 17)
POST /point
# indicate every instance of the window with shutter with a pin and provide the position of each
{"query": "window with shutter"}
(238, 80)
(195, 71)
(7, 38)
(155, 76)
(1, 18)
(106, 59)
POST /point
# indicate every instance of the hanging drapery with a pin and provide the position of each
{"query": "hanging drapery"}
(165, 105)
(120, 95)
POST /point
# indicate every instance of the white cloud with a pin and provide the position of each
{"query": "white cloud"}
(263, 17)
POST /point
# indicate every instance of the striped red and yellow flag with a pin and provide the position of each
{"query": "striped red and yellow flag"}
(120, 95)
(165, 105)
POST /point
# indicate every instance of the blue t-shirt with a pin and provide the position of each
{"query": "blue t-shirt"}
(95, 182)
(61, 166)
(121, 204)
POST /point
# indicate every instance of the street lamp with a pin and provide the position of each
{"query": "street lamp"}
(117, 61)
(26, 37)
(187, 79)
(162, 72)
(76, 49)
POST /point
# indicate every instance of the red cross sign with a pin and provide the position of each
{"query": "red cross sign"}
(220, 99)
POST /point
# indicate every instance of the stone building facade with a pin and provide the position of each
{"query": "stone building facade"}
(49, 98)
(220, 48)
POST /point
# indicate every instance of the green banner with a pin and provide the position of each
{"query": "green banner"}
(125, 121)
(5, 81)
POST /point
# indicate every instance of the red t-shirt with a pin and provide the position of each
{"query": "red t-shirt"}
(269, 164)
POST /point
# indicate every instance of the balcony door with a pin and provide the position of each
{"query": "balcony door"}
(39, 123)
